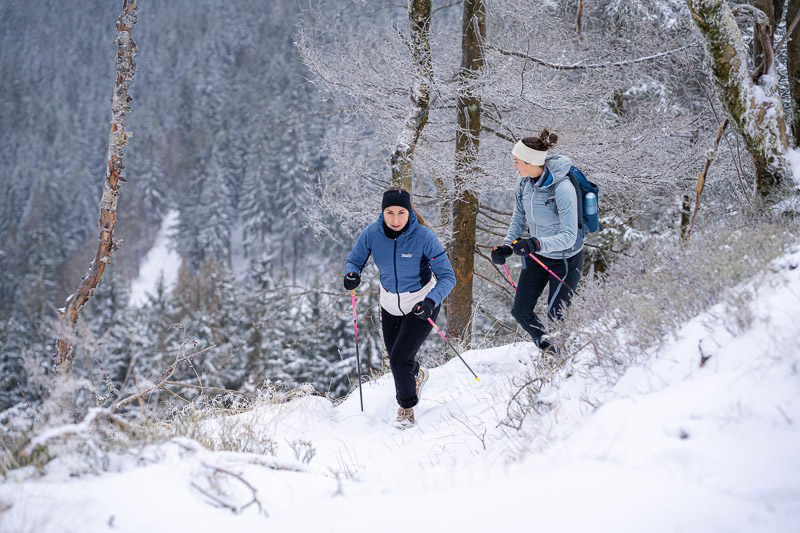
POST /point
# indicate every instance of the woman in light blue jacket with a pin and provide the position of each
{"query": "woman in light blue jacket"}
(547, 201)
(416, 276)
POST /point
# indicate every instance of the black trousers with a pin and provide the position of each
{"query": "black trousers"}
(531, 284)
(403, 336)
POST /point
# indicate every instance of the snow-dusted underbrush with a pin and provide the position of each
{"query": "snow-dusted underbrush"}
(629, 313)
(41, 437)
(237, 424)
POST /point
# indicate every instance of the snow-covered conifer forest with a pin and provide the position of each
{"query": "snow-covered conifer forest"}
(250, 142)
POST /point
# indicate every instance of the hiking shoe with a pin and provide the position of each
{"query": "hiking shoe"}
(421, 378)
(405, 418)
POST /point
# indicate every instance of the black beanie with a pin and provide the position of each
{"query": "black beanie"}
(397, 197)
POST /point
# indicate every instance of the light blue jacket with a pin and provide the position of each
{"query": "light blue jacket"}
(551, 212)
(405, 263)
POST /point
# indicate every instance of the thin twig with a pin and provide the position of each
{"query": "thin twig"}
(178, 396)
(481, 211)
(701, 179)
(165, 375)
(788, 32)
(495, 211)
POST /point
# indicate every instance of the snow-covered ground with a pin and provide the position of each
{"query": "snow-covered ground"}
(161, 262)
(670, 447)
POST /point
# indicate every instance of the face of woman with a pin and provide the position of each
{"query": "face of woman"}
(526, 170)
(395, 217)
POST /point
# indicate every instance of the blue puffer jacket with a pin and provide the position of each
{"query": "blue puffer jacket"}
(551, 212)
(405, 264)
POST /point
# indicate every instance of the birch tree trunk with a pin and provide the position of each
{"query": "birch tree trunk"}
(419, 17)
(465, 204)
(756, 110)
(117, 140)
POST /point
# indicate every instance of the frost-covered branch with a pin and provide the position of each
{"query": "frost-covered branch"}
(582, 66)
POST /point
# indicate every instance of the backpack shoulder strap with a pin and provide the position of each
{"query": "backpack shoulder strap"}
(578, 192)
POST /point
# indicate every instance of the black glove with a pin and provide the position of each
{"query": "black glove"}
(500, 253)
(526, 246)
(352, 280)
(424, 309)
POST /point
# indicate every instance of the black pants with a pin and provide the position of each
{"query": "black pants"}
(403, 336)
(532, 282)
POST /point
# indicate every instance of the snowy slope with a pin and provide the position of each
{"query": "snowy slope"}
(161, 262)
(672, 446)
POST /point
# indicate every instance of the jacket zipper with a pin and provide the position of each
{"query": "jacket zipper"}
(396, 280)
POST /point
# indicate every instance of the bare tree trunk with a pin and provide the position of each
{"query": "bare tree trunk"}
(419, 16)
(777, 10)
(793, 67)
(108, 204)
(758, 49)
(465, 204)
(756, 110)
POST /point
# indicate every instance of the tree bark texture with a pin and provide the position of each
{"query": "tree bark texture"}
(793, 67)
(419, 17)
(756, 110)
(117, 141)
(465, 204)
(758, 48)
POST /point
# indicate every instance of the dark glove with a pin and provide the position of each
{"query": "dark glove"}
(352, 280)
(526, 246)
(500, 253)
(424, 309)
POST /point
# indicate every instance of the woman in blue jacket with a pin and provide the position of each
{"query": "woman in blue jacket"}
(415, 277)
(547, 201)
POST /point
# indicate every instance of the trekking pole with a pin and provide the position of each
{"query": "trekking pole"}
(509, 277)
(451, 347)
(358, 357)
(545, 267)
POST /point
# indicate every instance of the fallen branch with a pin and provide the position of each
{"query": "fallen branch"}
(236, 509)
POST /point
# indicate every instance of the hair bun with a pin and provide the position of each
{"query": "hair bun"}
(548, 139)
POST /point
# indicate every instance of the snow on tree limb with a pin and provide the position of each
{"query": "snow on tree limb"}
(756, 109)
(581, 66)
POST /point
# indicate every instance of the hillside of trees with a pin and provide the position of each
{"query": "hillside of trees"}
(271, 128)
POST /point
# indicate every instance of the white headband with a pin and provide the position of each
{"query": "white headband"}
(529, 155)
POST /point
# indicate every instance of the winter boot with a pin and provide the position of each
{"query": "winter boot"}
(421, 378)
(405, 418)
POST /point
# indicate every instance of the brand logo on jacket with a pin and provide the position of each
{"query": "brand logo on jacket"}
(405, 255)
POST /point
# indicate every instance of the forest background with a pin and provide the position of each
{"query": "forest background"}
(267, 130)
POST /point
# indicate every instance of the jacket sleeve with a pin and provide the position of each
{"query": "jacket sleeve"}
(440, 264)
(567, 204)
(358, 257)
(518, 225)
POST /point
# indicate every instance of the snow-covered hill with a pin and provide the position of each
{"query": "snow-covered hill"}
(671, 446)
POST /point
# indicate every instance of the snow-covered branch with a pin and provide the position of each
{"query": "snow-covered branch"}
(585, 66)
